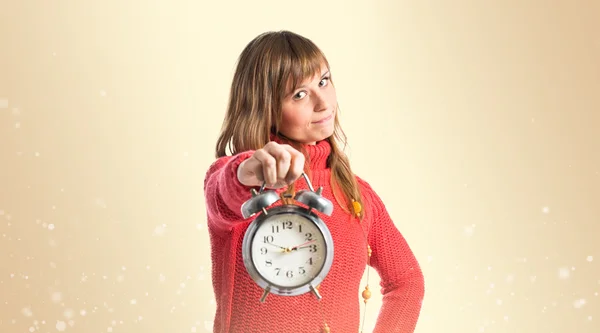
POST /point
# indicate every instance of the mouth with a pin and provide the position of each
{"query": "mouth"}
(324, 119)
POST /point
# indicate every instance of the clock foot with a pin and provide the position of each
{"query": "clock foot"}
(265, 293)
(316, 292)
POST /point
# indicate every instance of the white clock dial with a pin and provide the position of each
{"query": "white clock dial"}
(288, 250)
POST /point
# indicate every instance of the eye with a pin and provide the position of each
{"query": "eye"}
(324, 81)
(300, 95)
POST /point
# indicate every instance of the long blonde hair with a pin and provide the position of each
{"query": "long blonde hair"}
(260, 82)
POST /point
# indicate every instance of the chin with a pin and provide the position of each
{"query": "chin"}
(322, 135)
(311, 137)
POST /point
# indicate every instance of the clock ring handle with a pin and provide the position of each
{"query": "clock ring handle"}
(313, 199)
(262, 187)
(308, 181)
(304, 175)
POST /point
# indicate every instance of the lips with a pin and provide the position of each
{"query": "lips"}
(324, 119)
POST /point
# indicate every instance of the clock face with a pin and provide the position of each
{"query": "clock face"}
(288, 250)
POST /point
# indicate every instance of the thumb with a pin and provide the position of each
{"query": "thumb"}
(248, 172)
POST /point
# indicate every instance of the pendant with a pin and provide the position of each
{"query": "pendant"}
(357, 207)
(366, 294)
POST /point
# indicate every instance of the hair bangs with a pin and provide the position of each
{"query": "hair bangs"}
(305, 61)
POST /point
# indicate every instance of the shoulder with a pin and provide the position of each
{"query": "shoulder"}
(364, 186)
(371, 201)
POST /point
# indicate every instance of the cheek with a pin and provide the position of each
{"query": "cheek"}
(293, 119)
(331, 96)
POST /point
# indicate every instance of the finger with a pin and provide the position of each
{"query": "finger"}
(250, 166)
(257, 171)
(267, 167)
(296, 165)
(283, 158)
(248, 174)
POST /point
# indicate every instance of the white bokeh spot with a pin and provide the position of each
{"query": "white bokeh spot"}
(578, 304)
(61, 325)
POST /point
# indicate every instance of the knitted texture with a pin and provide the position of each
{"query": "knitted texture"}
(237, 295)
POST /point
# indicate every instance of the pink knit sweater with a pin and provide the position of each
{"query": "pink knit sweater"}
(237, 295)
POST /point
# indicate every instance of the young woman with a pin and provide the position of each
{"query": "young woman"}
(282, 120)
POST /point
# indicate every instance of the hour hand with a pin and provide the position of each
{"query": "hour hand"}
(283, 249)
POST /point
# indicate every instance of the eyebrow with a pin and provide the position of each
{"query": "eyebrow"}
(303, 86)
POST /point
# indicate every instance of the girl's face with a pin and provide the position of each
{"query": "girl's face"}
(308, 113)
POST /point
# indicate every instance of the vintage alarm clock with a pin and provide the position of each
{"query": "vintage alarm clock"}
(287, 249)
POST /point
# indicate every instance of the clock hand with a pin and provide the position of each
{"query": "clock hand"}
(303, 245)
(283, 249)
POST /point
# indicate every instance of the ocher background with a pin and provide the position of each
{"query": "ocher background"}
(478, 124)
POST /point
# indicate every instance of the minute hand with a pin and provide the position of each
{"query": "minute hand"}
(303, 245)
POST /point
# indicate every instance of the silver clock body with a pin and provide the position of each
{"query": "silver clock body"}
(291, 219)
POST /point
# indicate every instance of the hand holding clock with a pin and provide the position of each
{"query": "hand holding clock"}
(276, 164)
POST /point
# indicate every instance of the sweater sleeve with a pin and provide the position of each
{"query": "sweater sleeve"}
(224, 194)
(402, 281)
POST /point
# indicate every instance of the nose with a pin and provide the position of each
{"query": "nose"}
(321, 103)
